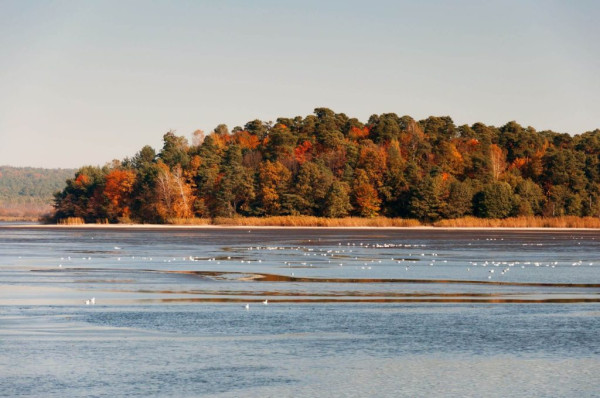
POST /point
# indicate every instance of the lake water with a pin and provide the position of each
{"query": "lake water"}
(350, 312)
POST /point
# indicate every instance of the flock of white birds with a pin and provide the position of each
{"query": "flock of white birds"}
(347, 255)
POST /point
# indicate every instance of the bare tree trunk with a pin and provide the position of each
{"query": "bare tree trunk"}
(498, 161)
(179, 181)
(164, 193)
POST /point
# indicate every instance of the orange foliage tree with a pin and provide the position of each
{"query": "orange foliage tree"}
(367, 202)
(357, 133)
(118, 188)
(302, 152)
(372, 159)
(246, 140)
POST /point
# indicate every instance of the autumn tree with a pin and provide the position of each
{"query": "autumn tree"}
(497, 161)
(302, 153)
(274, 179)
(413, 141)
(246, 140)
(365, 197)
(174, 196)
(118, 189)
(372, 159)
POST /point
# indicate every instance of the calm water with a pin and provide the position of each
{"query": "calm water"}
(349, 313)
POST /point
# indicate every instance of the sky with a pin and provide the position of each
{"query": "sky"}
(86, 82)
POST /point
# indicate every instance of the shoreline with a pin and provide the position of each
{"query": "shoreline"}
(274, 227)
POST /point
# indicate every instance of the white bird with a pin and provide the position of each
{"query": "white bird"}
(93, 300)
(87, 302)
(266, 302)
(247, 307)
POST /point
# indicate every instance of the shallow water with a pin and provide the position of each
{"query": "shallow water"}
(408, 313)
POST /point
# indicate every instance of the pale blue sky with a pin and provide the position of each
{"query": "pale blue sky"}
(85, 82)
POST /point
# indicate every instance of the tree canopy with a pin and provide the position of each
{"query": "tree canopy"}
(330, 165)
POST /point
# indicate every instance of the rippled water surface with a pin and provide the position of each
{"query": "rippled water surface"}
(366, 312)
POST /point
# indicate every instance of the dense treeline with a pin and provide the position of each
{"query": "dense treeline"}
(28, 191)
(330, 165)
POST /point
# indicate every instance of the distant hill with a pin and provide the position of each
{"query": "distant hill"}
(28, 191)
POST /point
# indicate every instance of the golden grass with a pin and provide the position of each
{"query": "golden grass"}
(521, 222)
(190, 221)
(310, 221)
(70, 221)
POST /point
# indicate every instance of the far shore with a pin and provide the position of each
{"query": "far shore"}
(274, 227)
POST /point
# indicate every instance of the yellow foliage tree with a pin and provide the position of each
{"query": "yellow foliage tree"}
(274, 178)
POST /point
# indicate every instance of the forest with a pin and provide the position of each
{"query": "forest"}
(330, 165)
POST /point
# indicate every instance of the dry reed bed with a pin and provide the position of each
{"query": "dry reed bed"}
(309, 221)
(521, 222)
(71, 221)
(190, 221)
